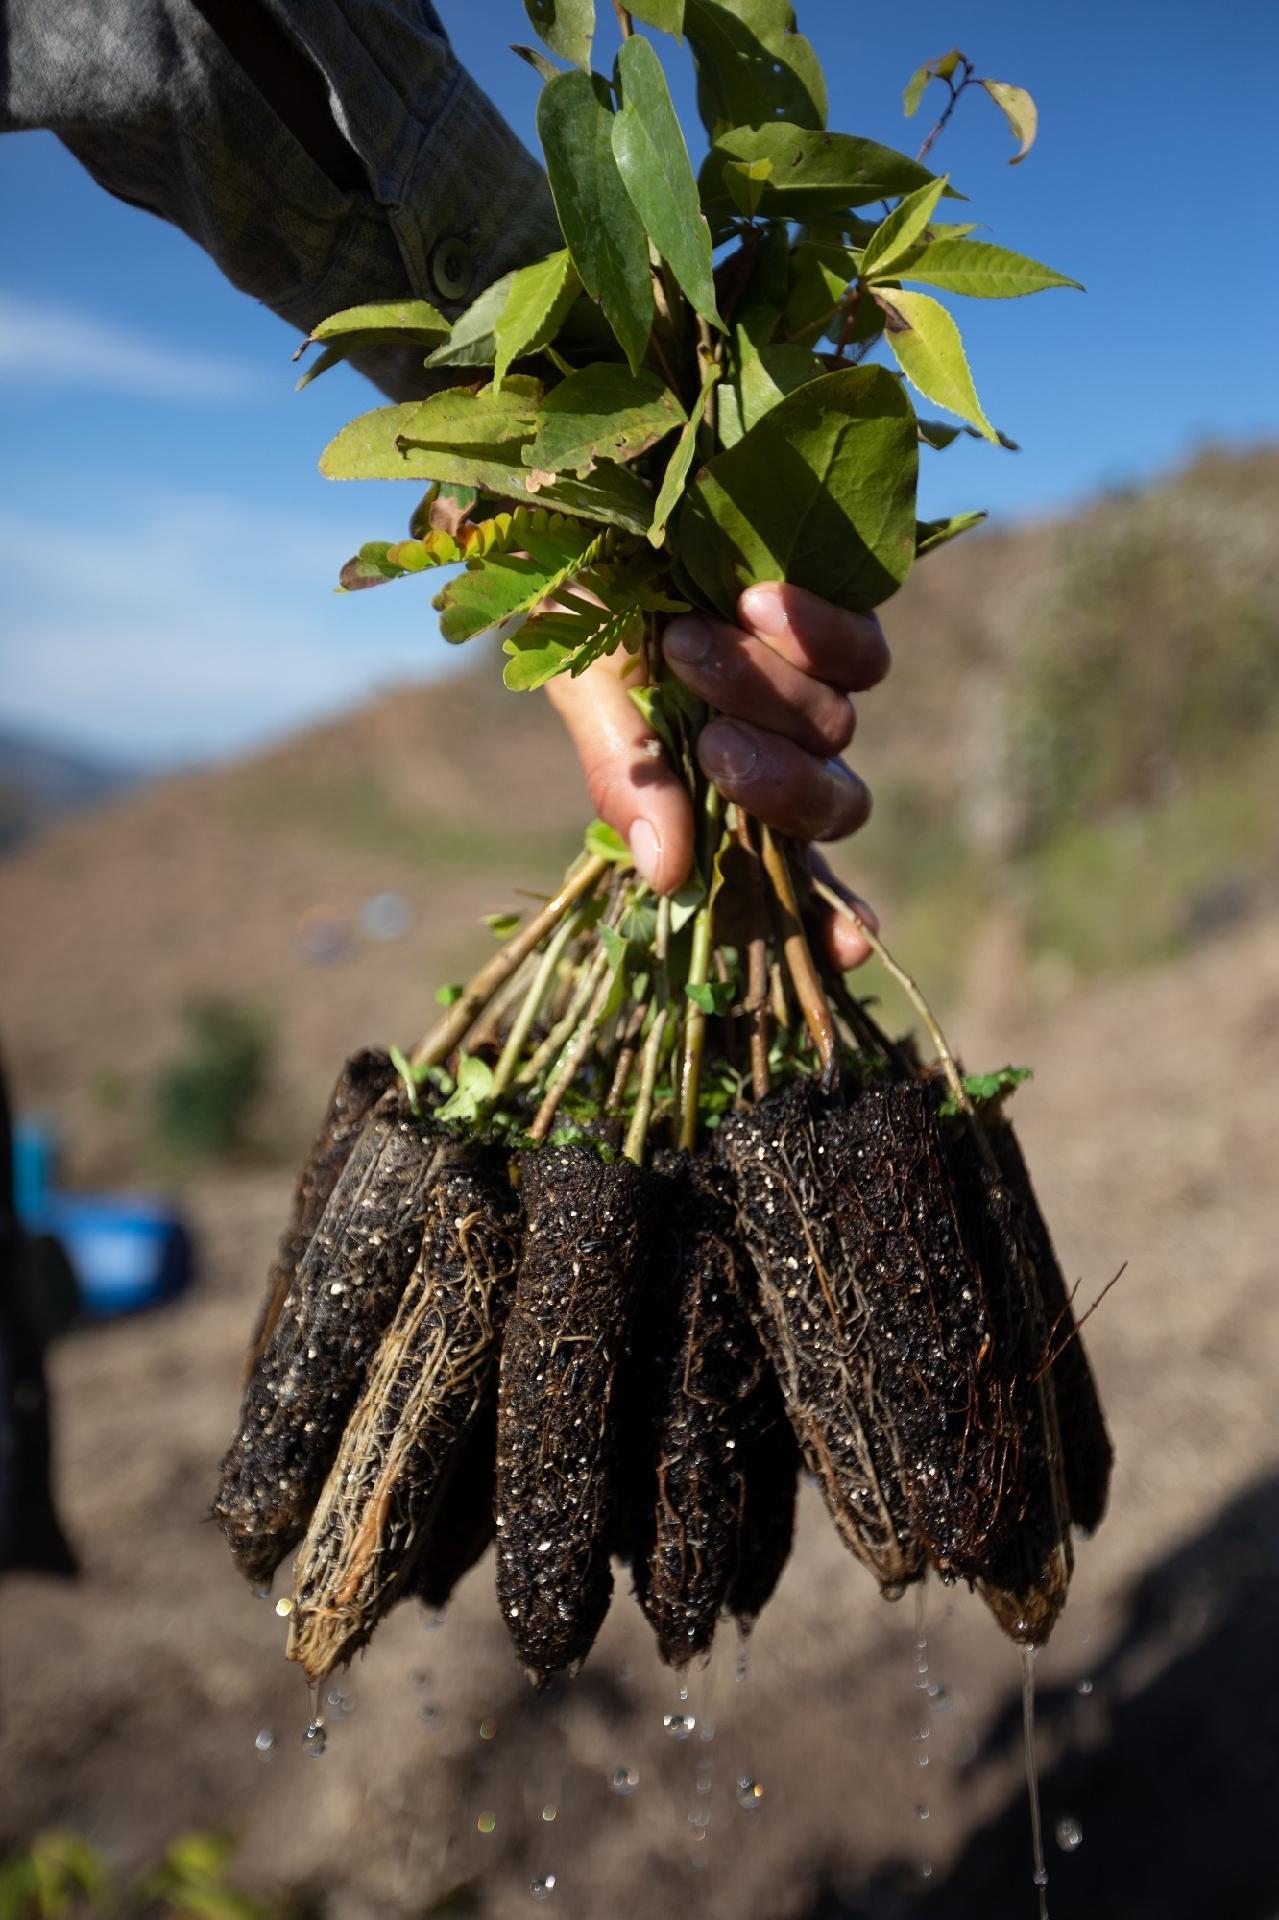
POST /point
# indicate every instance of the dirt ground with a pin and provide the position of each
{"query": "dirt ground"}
(131, 1700)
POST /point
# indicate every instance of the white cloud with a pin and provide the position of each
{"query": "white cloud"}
(58, 347)
(194, 626)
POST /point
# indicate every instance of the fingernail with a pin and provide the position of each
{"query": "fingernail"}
(646, 850)
(688, 641)
(762, 608)
(728, 752)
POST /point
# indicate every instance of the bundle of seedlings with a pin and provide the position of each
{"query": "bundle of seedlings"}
(656, 1207)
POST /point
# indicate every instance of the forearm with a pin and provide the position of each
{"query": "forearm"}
(321, 153)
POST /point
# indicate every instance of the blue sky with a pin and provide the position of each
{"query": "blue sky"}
(168, 546)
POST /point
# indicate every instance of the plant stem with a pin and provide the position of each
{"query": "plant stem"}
(522, 1025)
(624, 20)
(566, 1071)
(567, 1022)
(637, 1133)
(757, 960)
(582, 879)
(799, 960)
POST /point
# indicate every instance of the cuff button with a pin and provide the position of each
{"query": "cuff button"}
(452, 268)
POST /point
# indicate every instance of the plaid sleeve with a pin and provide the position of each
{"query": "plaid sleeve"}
(323, 152)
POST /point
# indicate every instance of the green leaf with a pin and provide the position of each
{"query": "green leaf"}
(677, 467)
(535, 309)
(416, 318)
(648, 145)
(935, 533)
(447, 996)
(939, 69)
(601, 412)
(473, 341)
(473, 1090)
(821, 492)
(712, 996)
(566, 26)
(604, 233)
(600, 610)
(686, 901)
(535, 58)
(761, 380)
(494, 590)
(611, 493)
(745, 182)
(501, 925)
(820, 273)
(812, 172)
(929, 351)
(1019, 110)
(894, 238)
(666, 15)
(470, 439)
(607, 844)
(752, 65)
(981, 271)
(982, 1088)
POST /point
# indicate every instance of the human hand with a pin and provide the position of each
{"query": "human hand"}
(779, 682)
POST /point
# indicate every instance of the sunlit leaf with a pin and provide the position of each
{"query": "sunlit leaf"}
(939, 69)
(604, 232)
(648, 144)
(981, 271)
(536, 305)
(473, 341)
(417, 319)
(601, 412)
(472, 439)
(566, 26)
(535, 58)
(895, 237)
(496, 589)
(935, 533)
(929, 351)
(607, 844)
(677, 468)
(821, 492)
(1019, 110)
(811, 172)
(666, 15)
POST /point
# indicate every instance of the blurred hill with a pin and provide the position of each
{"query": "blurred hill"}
(40, 780)
(1072, 764)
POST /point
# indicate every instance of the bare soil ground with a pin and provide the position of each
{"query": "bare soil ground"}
(131, 1700)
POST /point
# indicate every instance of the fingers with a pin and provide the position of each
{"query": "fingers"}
(846, 649)
(742, 676)
(631, 785)
(781, 783)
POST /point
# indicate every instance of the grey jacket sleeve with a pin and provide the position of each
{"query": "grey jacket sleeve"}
(323, 152)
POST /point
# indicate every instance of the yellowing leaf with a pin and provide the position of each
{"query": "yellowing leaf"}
(981, 271)
(894, 238)
(1019, 110)
(929, 351)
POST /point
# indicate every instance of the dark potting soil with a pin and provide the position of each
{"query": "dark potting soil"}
(433, 1375)
(770, 1483)
(342, 1298)
(700, 1394)
(361, 1083)
(587, 1232)
(459, 1528)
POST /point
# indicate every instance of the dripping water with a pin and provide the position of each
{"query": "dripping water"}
(1040, 1875)
(923, 1718)
(315, 1739)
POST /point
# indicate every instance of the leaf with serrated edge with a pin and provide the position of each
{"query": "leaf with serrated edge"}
(812, 172)
(980, 271)
(929, 351)
(894, 238)
(648, 145)
(820, 492)
(415, 317)
(536, 307)
(471, 439)
(677, 468)
(566, 26)
(472, 342)
(1020, 111)
(602, 412)
(604, 233)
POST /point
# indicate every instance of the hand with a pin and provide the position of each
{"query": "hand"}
(780, 683)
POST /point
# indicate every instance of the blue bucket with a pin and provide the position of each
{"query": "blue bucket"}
(128, 1252)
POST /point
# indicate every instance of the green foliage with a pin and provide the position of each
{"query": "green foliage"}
(988, 1089)
(203, 1100)
(61, 1877)
(723, 411)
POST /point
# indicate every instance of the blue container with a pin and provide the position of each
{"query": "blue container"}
(128, 1252)
(35, 1170)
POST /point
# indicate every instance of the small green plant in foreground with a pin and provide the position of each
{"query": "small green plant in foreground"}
(61, 1877)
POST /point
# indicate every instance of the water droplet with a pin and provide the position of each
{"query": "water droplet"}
(678, 1725)
(921, 1812)
(550, 1812)
(341, 1703)
(486, 1822)
(315, 1739)
(432, 1622)
(698, 1816)
(683, 1693)
(1084, 1687)
(284, 1606)
(1069, 1833)
(922, 1734)
(749, 1793)
(624, 1780)
(925, 1871)
(264, 1591)
(1039, 1878)
(488, 1727)
(895, 1590)
(707, 1731)
(542, 1886)
(430, 1718)
(264, 1741)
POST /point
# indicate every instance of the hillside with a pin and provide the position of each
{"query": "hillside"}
(1071, 762)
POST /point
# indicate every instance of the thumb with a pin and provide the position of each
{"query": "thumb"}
(630, 783)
